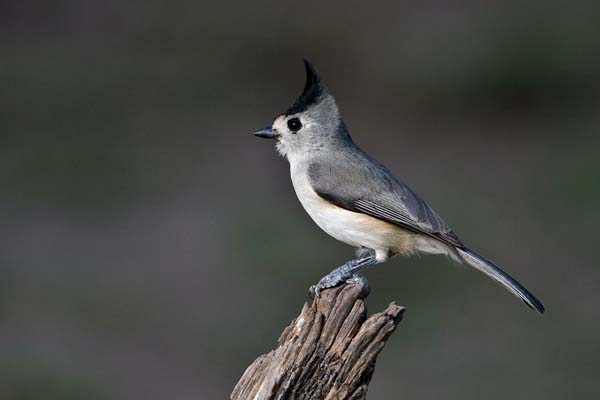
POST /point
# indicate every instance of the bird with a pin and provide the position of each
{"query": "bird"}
(357, 200)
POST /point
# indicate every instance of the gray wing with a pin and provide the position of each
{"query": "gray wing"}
(358, 183)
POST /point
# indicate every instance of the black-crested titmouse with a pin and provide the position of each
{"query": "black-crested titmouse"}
(357, 200)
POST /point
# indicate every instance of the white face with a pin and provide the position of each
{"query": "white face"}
(308, 131)
(292, 130)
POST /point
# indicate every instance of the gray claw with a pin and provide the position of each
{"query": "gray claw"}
(313, 292)
(325, 283)
(362, 282)
(332, 281)
(349, 272)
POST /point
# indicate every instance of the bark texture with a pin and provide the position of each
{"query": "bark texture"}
(328, 352)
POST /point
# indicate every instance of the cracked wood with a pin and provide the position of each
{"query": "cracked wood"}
(328, 352)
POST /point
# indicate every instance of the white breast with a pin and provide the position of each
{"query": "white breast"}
(355, 229)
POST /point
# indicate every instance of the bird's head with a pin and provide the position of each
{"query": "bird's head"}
(310, 124)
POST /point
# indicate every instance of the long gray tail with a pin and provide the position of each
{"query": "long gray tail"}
(493, 271)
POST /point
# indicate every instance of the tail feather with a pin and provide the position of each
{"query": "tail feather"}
(493, 271)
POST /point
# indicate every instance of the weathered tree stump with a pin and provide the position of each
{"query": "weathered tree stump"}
(328, 352)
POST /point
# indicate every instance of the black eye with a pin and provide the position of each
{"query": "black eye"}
(294, 125)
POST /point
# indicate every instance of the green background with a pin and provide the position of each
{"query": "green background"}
(151, 248)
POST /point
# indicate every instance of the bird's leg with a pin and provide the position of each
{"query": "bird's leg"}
(345, 273)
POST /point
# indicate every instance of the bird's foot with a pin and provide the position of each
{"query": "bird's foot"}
(335, 279)
(362, 282)
(326, 282)
(345, 273)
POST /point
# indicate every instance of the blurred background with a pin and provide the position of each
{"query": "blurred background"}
(151, 248)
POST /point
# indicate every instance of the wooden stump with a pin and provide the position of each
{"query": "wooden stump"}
(328, 352)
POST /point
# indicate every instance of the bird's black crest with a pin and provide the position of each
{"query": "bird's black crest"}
(313, 90)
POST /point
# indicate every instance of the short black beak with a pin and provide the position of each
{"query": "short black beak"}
(266, 132)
